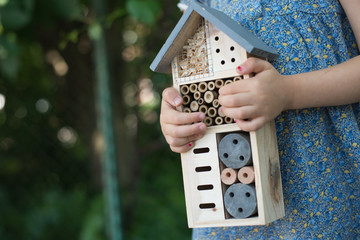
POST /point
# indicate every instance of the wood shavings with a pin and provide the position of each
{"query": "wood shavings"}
(193, 59)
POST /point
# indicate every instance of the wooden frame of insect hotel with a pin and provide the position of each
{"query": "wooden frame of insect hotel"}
(231, 177)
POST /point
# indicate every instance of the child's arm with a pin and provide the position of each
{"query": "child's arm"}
(255, 101)
(180, 129)
(352, 8)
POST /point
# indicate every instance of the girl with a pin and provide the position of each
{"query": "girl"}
(313, 93)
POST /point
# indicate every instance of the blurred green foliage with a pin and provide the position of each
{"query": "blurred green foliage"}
(50, 176)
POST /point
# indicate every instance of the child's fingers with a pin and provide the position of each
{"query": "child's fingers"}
(183, 131)
(171, 97)
(183, 148)
(250, 125)
(235, 100)
(233, 88)
(246, 112)
(171, 116)
(182, 144)
(253, 65)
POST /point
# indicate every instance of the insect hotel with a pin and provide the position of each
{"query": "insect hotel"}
(231, 177)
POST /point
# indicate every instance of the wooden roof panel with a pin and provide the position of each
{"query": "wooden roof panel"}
(190, 20)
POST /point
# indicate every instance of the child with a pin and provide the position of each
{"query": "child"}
(313, 93)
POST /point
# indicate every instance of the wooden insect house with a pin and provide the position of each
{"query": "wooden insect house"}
(231, 177)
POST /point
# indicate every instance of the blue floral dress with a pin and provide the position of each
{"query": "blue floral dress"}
(319, 148)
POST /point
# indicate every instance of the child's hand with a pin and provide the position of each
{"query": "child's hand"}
(253, 102)
(180, 129)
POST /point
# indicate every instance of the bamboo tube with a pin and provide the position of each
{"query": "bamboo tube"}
(202, 87)
(229, 176)
(187, 110)
(209, 96)
(246, 175)
(220, 113)
(219, 83)
(228, 120)
(201, 101)
(184, 89)
(208, 121)
(211, 112)
(186, 100)
(197, 95)
(211, 85)
(238, 78)
(219, 120)
(228, 82)
(216, 103)
(193, 88)
(203, 109)
(194, 106)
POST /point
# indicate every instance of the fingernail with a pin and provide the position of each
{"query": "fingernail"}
(239, 68)
(202, 116)
(235, 120)
(202, 127)
(190, 144)
(177, 101)
(221, 109)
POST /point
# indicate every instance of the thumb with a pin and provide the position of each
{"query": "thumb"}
(172, 97)
(253, 65)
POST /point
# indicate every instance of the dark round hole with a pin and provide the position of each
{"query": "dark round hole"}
(245, 175)
(232, 48)
(247, 194)
(240, 209)
(216, 38)
(226, 155)
(222, 62)
(217, 50)
(235, 141)
(231, 194)
(241, 158)
(233, 60)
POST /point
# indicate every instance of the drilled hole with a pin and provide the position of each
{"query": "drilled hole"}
(207, 205)
(201, 150)
(217, 50)
(241, 158)
(226, 155)
(235, 141)
(247, 194)
(231, 194)
(203, 169)
(245, 175)
(233, 60)
(240, 210)
(205, 187)
(232, 48)
(222, 62)
(216, 38)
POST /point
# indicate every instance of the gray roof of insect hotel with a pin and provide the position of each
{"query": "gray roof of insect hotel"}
(185, 28)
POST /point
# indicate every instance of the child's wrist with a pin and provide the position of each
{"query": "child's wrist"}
(289, 91)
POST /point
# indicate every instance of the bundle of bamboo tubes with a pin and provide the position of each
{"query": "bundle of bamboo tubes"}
(203, 97)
